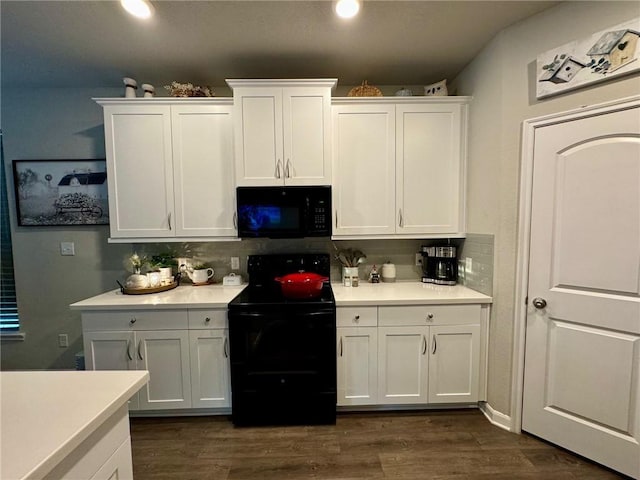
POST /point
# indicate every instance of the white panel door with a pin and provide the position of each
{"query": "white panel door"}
(210, 386)
(582, 361)
(428, 168)
(139, 170)
(165, 354)
(306, 116)
(203, 170)
(258, 139)
(364, 169)
(403, 365)
(454, 366)
(357, 365)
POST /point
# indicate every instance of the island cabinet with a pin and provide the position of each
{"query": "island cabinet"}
(423, 355)
(398, 167)
(282, 131)
(169, 169)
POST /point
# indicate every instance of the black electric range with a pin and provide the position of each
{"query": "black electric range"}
(283, 352)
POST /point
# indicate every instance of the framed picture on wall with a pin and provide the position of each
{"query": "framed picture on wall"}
(61, 192)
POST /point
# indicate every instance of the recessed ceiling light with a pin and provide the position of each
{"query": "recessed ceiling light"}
(138, 8)
(347, 8)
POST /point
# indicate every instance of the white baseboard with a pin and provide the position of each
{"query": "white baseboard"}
(495, 417)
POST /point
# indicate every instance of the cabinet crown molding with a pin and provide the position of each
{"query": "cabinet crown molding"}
(282, 83)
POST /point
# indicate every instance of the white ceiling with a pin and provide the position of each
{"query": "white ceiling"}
(95, 43)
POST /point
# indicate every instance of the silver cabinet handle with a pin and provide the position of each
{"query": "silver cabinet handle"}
(429, 317)
(129, 350)
(169, 220)
(278, 169)
(400, 216)
(139, 352)
(336, 218)
(235, 220)
(424, 344)
(225, 347)
(357, 318)
(435, 345)
(539, 303)
(340, 346)
(132, 321)
(287, 173)
(207, 320)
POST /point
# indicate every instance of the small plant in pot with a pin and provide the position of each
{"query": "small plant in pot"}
(200, 273)
(164, 263)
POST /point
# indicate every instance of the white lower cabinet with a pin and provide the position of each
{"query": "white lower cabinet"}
(357, 365)
(403, 368)
(210, 385)
(418, 354)
(185, 351)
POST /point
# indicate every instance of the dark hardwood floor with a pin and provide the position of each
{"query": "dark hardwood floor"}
(444, 445)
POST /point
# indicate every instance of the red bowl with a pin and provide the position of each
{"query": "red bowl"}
(301, 285)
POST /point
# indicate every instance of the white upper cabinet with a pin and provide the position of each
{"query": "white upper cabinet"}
(282, 132)
(139, 170)
(170, 168)
(203, 170)
(429, 168)
(398, 167)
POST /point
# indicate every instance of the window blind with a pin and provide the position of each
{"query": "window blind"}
(9, 321)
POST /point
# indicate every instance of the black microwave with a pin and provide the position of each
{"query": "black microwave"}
(284, 212)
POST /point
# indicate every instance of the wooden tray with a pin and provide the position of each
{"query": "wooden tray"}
(144, 291)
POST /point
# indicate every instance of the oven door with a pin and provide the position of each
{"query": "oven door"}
(283, 366)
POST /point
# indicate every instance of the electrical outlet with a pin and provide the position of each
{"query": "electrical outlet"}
(418, 259)
(63, 340)
(235, 263)
(468, 264)
(67, 248)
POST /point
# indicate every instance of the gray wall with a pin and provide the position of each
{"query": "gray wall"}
(502, 81)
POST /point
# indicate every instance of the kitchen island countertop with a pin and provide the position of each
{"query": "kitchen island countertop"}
(185, 296)
(46, 415)
(405, 293)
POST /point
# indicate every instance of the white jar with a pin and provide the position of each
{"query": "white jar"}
(388, 272)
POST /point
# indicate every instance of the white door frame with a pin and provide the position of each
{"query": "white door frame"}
(524, 232)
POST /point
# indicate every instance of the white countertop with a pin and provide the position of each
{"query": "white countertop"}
(47, 414)
(185, 296)
(405, 293)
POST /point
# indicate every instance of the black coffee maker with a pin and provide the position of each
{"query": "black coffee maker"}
(439, 265)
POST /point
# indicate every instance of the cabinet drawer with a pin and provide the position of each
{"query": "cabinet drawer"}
(429, 315)
(135, 320)
(207, 318)
(357, 316)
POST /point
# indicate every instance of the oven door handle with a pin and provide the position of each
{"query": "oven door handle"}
(262, 314)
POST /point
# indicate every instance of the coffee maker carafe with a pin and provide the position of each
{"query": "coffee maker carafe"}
(439, 265)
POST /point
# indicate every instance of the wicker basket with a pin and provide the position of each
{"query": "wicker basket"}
(365, 90)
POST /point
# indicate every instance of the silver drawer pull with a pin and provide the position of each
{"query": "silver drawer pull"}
(357, 318)
(429, 317)
(207, 320)
(132, 321)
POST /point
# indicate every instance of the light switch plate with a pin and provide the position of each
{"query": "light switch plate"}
(235, 263)
(67, 248)
(468, 264)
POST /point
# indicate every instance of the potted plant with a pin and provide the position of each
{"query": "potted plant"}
(200, 273)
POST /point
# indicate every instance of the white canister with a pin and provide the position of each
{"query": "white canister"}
(388, 272)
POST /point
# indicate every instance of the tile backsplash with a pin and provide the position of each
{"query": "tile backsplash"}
(479, 249)
(400, 252)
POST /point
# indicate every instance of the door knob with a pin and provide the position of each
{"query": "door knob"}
(539, 303)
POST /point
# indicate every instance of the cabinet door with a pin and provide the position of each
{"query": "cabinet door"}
(210, 385)
(111, 351)
(454, 366)
(118, 466)
(203, 170)
(357, 365)
(306, 116)
(429, 183)
(364, 169)
(165, 354)
(258, 136)
(139, 170)
(403, 363)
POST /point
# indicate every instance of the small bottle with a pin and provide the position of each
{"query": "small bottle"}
(354, 281)
(347, 281)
